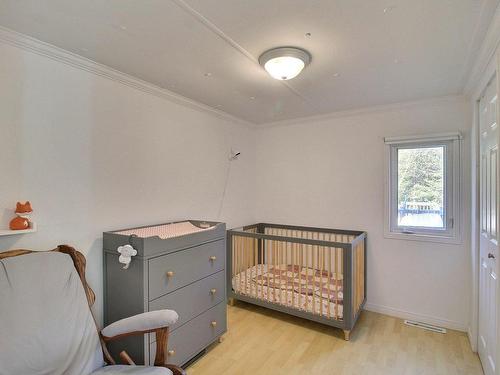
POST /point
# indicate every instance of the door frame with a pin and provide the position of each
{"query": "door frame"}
(491, 72)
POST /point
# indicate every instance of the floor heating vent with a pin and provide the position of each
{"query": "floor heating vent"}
(426, 326)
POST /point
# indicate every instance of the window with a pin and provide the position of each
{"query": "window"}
(423, 188)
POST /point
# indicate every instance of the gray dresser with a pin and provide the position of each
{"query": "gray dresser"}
(185, 273)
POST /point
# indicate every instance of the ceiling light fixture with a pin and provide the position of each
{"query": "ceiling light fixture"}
(285, 63)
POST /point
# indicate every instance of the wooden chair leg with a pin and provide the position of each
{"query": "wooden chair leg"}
(161, 346)
(347, 335)
(126, 358)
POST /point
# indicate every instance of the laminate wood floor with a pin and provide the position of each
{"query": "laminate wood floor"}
(260, 341)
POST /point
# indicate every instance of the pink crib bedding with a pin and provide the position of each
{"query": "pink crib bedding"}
(303, 288)
(164, 231)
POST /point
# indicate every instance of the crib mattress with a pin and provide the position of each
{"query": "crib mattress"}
(302, 288)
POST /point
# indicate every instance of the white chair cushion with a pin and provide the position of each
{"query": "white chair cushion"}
(141, 322)
(133, 370)
(46, 327)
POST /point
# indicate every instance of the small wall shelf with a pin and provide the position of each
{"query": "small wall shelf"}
(10, 232)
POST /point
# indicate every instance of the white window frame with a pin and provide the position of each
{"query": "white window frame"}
(452, 194)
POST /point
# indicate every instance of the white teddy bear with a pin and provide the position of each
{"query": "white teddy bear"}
(126, 254)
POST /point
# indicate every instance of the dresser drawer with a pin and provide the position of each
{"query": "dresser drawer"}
(191, 338)
(193, 299)
(170, 272)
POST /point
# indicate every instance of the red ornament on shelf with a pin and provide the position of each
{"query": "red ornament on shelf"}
(23, 211)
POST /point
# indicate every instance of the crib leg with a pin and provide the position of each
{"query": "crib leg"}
(231, 301)
(347, 335)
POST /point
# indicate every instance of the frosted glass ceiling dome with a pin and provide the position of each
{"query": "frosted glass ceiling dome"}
(285, 63)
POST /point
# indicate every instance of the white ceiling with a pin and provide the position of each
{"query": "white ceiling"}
(365, 52)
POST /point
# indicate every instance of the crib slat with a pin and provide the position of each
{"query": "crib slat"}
(275, 262)
(238, 267)
(268, 260)
(331, 268)
(306, 266)
(294, 259)
(270, 267)
(243, 268)
(301, 260)
(247, 251)
(329, 281)
(236, 259)
(297, 275)
(322, 282)
(244, 262)
(260, 267)
(282, 261)
(255, 250)
(280, 253)
(315, 270)
(288, 262)
(278, 259)
(336, 285)
(241, 248)
(314, 267)
(276, 268)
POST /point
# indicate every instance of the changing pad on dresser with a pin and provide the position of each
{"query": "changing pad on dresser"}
(165, 231)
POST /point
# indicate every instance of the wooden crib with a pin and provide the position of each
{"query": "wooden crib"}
(314, 273)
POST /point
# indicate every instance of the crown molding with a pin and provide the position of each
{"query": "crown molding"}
(368, 110)
(485, 54)
(52, 52)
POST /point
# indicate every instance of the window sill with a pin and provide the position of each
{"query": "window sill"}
(457, 240)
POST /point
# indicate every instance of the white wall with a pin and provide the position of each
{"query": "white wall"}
(330, 173)
(95, 155)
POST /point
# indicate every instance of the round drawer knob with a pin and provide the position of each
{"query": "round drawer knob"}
(213, 258)
(171, 352)
(170, 273)
(213, 324)
(213, 291)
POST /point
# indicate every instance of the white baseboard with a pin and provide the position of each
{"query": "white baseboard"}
(402, 314)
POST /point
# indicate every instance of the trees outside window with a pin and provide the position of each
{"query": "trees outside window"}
(421, 187)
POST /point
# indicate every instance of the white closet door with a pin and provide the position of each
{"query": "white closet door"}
(488, 274)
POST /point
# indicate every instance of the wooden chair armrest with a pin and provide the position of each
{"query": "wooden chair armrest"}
(176, 370)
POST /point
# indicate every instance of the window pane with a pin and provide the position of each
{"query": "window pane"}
(421, 187)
